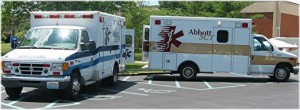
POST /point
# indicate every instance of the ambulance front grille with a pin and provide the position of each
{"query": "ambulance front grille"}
(31, 69)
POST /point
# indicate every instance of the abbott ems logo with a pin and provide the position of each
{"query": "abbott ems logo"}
(168, 37)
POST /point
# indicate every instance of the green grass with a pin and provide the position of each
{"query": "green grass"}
(134, 66)
(138, 56)
(5, 47)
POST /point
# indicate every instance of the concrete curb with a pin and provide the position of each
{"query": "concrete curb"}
(137, 74)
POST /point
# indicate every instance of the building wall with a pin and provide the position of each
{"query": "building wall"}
(289, 26)
(264, 25)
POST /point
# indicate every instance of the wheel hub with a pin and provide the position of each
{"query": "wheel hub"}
(188, 72)
(76, 86)
(281, 73)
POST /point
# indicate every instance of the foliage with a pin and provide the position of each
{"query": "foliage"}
(16, 14)
(5, 47)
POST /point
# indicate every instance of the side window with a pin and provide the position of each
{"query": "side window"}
(222, 36)
(261, 44)
(147, 34)
(128, 41)
(84, 37)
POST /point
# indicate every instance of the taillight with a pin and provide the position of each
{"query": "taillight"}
(38, 16)
(54, 16)
(87, 16)
(157, 22)
(69, 16)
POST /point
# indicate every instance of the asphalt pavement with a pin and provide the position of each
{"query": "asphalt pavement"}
(165, 91)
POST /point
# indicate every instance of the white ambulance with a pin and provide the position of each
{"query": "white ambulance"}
(191, 45)
(65, 50)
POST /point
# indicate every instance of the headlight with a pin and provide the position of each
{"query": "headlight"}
(60, 66)
(6, 65)
(56, 67)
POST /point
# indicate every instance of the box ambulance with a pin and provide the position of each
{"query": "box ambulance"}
(191, 45)
(66, 50)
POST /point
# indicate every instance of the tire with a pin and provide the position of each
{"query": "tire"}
(281, 74)
(112, 80)
(13, 93)
(74, 88)
(187, 72)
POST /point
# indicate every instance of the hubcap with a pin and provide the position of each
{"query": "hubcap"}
(281, 73)
(188, 72)
(76, 86)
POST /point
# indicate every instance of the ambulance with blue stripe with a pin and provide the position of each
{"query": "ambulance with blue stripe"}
(66, 50)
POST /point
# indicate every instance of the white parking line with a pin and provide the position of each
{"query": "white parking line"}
(51, 104)
(133, 93)
(126, 78)
(150, 79)
(177, 84)
(12, 106)
(192, 88)
(208, 85)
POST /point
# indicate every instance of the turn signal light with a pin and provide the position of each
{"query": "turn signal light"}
(65, 66)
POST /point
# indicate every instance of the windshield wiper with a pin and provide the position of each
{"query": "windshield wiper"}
(57, 47)
(28, 47)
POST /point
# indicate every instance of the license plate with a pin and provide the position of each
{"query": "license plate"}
(52, 85)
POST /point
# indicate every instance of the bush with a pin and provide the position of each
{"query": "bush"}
(5, 48)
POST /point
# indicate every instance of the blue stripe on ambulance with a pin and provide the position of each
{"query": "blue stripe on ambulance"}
(96, 61)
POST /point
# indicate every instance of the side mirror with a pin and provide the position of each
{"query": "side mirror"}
(83, 46)
(13, 42)
(92, 45)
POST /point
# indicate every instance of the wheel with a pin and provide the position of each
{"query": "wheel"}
(112, 80)
(281, 74)
(13, 93)
(74, 88)
(187, 72)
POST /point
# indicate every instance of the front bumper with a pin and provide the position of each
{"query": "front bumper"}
(38, 82)
(296, 70)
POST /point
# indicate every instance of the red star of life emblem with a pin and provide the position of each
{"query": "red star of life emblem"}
(169, 37)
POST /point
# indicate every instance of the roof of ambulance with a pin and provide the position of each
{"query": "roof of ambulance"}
(75, 12)
(65, 27)
(200, 18)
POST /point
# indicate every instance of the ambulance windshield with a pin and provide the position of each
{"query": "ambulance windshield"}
(50, 38)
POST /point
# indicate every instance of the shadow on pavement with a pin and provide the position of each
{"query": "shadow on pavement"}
(216, 78)
(48, 96)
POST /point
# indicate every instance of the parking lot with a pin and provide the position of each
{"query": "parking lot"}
(168, 91)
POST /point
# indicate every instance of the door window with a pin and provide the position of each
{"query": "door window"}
(84, 37)
(146, 33)
(84, 40)
(222, 36)
(261, 44)
(128, 41)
